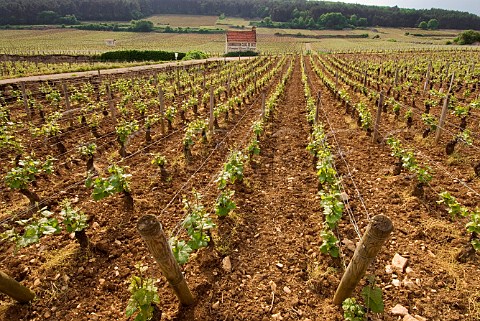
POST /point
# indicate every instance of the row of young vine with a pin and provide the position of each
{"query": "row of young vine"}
(405, 158)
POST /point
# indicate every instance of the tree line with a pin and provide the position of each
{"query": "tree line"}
(298, 12)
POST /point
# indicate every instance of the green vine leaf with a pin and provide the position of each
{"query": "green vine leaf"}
(373, 298)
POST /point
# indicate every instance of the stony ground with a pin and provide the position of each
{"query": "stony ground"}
(264, 261)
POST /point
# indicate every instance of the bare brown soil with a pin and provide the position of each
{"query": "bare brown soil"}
(272, 239)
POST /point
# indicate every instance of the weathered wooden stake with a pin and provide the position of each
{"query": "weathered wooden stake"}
(375, 235)
(441, 121)
(228, 85)
(152, 233)
(113, 111)
(427, 80)
(178, 81)
(162, 110)
(67, 101)
(212, 102)
(204, 75)
(25, 101)
(378, 119)
(319, 105)
(263, 104)
(396, 78)
(448, 68)
(14, 289)
(443, 115)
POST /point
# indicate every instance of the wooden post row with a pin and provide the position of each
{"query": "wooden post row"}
(378, 118)
(15, 290)
(152, 233)
(373, 239)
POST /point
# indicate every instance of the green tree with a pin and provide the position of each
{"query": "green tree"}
(354, 20)
(362, 22)
(69, 20)
(433, 24)
(333, 20)
(267, 22)
(141, 26)
(468, 37)
(423, 25)
(48, 17)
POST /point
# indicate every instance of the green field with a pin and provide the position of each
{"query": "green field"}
(66, 40)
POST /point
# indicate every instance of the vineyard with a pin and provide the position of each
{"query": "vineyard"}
(264, 173)
(17, 69)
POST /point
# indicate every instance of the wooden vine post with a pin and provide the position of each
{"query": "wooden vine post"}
(152, 233)
(162, 110)
(373, 239)
(446, 71)
(14, 289)
(228, 85)
(178, 80)
(111, 105)
(67, 101)
(396, 78)
(472, 69)
(263, 104)
(427, 80)
(212, 102)
(443, 115)
(378, 118)
(336, 80)
(317, 109)
(25, 101)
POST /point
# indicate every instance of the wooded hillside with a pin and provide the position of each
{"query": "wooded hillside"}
(61, 11)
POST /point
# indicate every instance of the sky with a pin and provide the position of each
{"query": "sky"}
(472, 6)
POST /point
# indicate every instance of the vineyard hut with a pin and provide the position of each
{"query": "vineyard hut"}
(241, 40)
